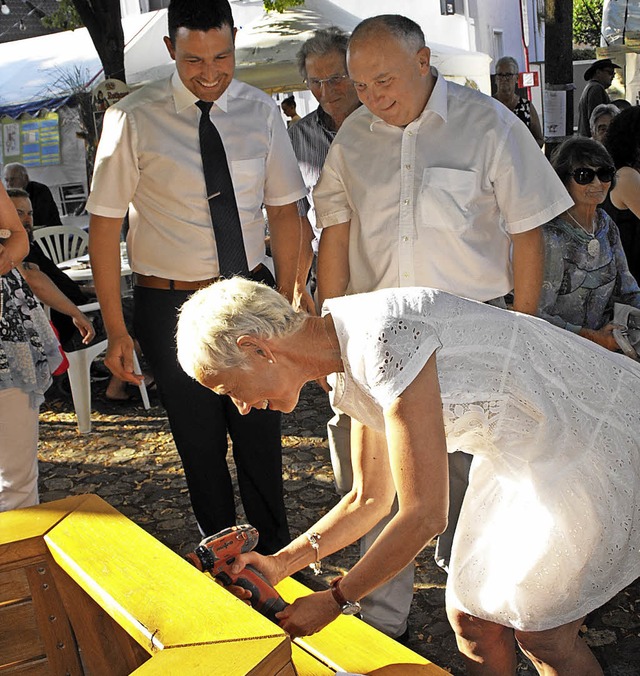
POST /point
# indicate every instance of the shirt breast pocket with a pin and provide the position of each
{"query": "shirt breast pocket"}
(446, 197)
(248, 182)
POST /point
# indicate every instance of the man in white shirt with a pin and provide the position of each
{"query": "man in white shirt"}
(149, 164)
(428, 184)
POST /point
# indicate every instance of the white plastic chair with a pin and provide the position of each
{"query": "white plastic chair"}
(80, 376)
(62, 242)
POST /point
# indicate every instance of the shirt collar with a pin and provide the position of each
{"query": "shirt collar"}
(183, 98)
(437, 102)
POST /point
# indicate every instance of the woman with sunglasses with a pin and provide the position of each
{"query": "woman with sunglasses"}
(623, 204)
(585, 268)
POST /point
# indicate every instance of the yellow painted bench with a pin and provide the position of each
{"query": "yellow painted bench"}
(83, 590)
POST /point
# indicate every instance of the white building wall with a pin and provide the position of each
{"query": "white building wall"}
(447, 30)
(498, 29)
(489, 26)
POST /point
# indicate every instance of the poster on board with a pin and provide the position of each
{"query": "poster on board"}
(32, 141)
(104, 95)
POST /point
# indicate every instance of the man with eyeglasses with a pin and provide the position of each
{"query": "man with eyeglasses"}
(428, 184)
(322, 62)
(599, 77)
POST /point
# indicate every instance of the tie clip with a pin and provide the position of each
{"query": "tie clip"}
(215, 194)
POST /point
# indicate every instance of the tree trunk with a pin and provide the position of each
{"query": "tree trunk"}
(558, 50)
(103, 21)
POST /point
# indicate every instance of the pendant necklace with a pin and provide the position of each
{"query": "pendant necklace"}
(593, 247)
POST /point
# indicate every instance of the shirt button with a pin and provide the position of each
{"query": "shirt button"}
(407, 201)
(405, 238)
(409, 133)
(407, 166)
(406, 275)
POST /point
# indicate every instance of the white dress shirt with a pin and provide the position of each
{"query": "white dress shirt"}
(149, 163)
(433, 203)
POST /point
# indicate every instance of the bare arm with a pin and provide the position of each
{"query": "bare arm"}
(14, 248)
(49, 294)
(333, 262)
(104, 251)
(291, 237)
(528, 263)
(626, 194)
(414, 468)
(418, 463)
(535, 126)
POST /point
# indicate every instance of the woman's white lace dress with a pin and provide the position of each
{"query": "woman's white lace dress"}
(550, 525)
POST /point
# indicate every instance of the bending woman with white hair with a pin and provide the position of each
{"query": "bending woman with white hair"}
(549, 526)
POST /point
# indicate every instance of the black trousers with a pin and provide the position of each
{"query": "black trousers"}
(200, 421)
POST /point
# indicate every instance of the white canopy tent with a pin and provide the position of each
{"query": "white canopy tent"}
(49, 67)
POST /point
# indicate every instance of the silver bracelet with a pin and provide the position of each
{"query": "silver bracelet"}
(314, 538)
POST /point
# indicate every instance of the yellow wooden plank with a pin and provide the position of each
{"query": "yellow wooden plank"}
(22, 524)
(307, 665)
(157, 597)
(347, 645)
(261, 657)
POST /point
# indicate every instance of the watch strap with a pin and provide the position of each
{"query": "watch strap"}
(337, 592)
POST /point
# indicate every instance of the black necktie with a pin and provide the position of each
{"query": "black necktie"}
(232, 258)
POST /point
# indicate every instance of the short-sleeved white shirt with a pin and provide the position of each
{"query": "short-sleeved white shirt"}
(149, 163)
(433, 203)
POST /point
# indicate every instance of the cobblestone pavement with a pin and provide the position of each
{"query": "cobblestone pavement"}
(130, 460)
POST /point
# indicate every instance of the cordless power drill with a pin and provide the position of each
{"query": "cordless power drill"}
(216, 554)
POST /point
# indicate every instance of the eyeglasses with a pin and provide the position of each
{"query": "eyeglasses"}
(585, 175)
(505, 75)
(333, 81)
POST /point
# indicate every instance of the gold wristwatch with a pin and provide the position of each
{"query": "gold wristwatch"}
(346, 607)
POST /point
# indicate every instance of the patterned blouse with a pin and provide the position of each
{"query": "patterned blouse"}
(523, 111)
(29, 350)
(582, 281)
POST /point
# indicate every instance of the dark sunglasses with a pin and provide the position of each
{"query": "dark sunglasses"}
(585, 175)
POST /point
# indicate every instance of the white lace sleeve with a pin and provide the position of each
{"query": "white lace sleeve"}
(396, 355)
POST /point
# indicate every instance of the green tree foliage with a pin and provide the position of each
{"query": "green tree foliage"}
(64, 18)
(587, 21)
(281, 5)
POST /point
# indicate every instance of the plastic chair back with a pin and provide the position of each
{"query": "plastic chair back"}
(80, 376)
(62, 242)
